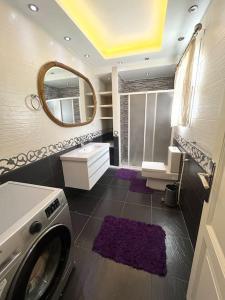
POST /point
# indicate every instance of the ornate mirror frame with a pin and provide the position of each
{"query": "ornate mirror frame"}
(41, 92)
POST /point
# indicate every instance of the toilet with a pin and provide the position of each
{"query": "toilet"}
(158, 174)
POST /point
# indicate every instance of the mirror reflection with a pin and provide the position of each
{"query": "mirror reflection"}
(69, 97)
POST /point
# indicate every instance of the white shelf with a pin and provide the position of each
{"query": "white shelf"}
(90, 106)
(107, 93)
(106, 105)
(106, 118)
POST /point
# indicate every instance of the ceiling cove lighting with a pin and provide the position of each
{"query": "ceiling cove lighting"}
(112, 36)
(33, 7)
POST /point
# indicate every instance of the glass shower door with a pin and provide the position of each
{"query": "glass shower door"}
(162, 126)
(136, 129)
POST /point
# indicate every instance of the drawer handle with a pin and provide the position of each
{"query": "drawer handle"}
(203, 179)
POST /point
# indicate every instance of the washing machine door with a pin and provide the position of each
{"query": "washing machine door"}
(43, 267)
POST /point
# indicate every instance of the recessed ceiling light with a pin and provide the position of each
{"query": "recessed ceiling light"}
(181, 38)
(33, 7)
(67, 38)
(87, 55)
(192, 8)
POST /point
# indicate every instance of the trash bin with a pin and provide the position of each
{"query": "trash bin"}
(171, 195)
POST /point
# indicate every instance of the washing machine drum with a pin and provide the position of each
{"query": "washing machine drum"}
(42, 269)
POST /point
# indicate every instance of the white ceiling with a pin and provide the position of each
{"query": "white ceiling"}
(179, 22)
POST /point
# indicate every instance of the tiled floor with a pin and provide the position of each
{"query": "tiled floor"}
(97, 278)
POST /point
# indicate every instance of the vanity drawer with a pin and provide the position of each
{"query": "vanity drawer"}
(93, 168)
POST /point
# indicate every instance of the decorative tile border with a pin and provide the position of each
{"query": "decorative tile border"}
(22, 159)
(143, 85)
(197, 154)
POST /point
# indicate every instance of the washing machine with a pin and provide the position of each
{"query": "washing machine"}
(36, 242)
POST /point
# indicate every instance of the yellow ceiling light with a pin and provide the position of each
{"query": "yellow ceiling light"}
(110, 34)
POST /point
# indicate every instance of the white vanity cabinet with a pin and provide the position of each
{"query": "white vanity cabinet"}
(84, 166)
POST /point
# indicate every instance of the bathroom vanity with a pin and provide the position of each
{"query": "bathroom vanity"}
(84, 166)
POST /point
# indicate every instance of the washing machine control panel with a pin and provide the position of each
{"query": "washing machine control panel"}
(52, 208)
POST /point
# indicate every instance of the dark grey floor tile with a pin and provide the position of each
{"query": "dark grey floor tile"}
(120, 183)
(97, 190)
(105, 179)
(168, 288)
(78, 222)
(83, 204)
(89, 233)
(171, 220)
(158, 201)
(96, 278)
(115, 193)
(179, 257)
(87, 262)
(137, 198)
(137, 212)
(111, 172)
(106, 207)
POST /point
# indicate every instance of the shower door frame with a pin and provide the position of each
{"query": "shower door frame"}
(156, 92)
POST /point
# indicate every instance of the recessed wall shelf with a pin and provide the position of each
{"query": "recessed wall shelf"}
(106, 118)
(105, 100)
(106, 93)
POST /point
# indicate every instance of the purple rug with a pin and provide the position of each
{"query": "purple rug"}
(126, 174)
(138, 185)
(133, 243)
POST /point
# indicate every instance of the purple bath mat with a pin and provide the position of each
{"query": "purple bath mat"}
(138, 185)
(126, 174)
(136, 244)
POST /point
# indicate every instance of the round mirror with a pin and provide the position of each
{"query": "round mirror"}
(67, 96)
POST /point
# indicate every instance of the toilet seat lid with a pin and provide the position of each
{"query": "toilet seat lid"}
(153, 166)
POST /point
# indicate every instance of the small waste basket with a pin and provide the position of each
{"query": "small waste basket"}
(171, 195)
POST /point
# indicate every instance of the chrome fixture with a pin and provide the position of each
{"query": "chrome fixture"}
(33, 7)
(193, 8)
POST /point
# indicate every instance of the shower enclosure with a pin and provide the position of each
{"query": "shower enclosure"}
(145, 126)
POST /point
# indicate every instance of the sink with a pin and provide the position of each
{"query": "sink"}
(89, 148)
(84, 166)
(85, 153)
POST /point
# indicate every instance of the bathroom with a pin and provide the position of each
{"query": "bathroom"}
(112, 151)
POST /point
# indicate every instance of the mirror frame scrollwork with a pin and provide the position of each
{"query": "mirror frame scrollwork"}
(41, 92)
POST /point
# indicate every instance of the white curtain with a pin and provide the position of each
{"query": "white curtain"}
(184, 85)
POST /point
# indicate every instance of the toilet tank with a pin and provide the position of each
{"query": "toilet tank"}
(174, 156)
